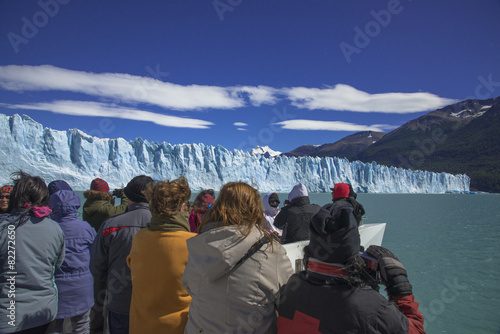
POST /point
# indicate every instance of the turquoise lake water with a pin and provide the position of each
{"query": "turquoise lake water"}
(449, 244)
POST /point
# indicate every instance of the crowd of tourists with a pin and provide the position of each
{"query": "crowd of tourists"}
(158, 263)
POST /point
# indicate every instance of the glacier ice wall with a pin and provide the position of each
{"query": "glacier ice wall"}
(79, 158)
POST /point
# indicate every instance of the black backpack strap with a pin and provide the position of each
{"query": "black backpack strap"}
(255, 247)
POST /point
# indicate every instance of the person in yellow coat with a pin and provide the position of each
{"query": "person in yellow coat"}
(160, 304)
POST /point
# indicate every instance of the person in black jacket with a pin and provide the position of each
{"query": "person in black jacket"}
(343, 195)
(294, 219)
(335, 295)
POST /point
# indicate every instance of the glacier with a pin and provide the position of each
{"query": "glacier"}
(78, 158)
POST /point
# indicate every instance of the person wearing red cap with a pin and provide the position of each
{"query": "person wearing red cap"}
(4, 198)
(344, 196)
(99, 205)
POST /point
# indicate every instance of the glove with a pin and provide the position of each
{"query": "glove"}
(393, 273)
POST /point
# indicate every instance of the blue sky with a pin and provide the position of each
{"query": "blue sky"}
(242, 73)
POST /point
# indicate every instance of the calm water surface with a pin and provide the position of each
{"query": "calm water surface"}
(449, 244)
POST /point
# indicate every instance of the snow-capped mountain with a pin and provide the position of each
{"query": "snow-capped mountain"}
(265, 151)
(78, 158)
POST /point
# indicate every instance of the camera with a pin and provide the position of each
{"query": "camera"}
(117, 192)
(372, 271)
(371, 263)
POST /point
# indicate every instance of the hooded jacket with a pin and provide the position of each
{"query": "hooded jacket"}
(74, 280)
(270, 214)
(294, 218)
(310, 305)
(97, 208)
(109, 254)
(326, 298)
(233, 299)
(28, 285)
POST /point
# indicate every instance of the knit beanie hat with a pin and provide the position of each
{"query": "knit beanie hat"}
(58, 185)
(6, 189)
(136, 186)
(99, 185)
(334, 235)
(341, 190)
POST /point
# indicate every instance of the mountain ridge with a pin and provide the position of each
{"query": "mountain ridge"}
(347, 147)
(460, 138)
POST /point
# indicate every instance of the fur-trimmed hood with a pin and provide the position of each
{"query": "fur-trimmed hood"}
(98, 195)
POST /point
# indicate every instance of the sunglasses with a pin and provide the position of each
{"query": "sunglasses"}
(4, 196)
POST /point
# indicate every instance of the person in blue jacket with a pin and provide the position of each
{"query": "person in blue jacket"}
(73, 279)
(31, 249)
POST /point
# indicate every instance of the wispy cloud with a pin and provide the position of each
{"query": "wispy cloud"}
(118, 86)
(136, 89)
(304, 124)
(344, 97)
(240, 126)
(257, 95)
(84, 108)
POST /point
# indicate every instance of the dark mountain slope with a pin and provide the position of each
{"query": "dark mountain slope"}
(461, 138)
(347, 147)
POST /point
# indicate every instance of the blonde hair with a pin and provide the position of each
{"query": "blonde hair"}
(166, 198)
(238, 204)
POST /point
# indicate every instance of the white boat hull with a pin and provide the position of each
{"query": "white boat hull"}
(371, 234)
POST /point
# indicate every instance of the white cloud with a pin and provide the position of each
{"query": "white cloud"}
(84, 108)
(123, 87)
(344, 97)
(241, 129)
(136, 89)
(257, 95)
(304, 124)
(240, 124)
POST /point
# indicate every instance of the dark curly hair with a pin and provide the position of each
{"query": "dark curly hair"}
(167, 198)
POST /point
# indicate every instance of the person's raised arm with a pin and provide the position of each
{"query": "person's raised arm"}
(398, 287)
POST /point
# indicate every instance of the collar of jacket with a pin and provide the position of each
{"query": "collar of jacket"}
(137, 205)
(303, 200)
(177, 222)
(329, 269)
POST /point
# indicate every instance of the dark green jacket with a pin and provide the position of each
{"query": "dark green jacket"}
(98, 207)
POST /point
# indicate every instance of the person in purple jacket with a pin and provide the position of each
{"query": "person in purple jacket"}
(73, 279)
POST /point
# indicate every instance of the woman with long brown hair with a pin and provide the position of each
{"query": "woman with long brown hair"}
(235, 269)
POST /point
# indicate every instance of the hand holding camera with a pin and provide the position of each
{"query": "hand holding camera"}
(392, 272)
(118, 192)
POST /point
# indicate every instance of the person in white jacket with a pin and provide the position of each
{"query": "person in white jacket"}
(271, 209)
(234, 270)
